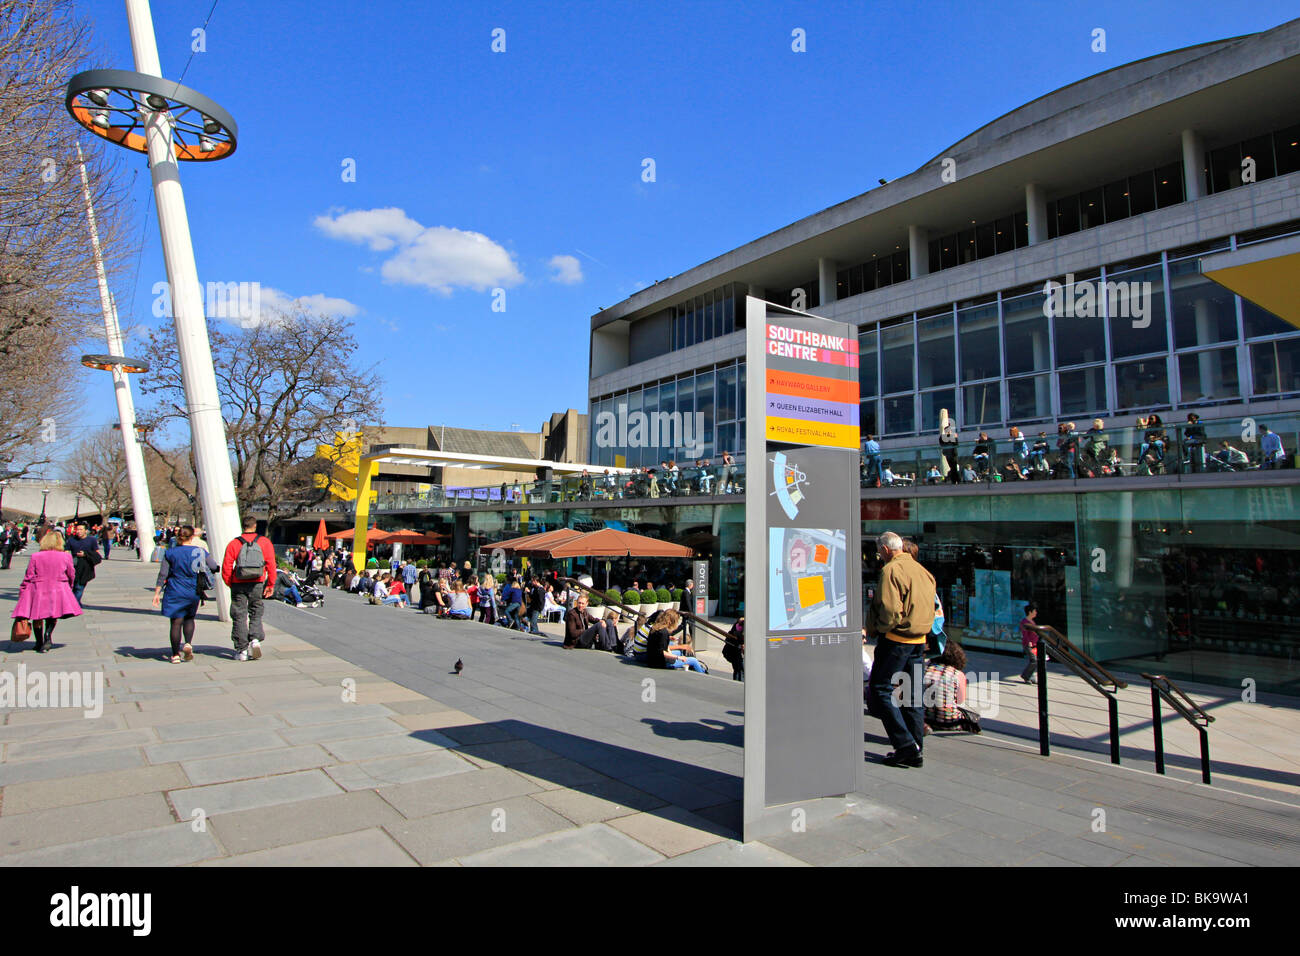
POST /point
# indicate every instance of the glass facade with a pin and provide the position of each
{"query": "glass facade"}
(1120, 199)
(1255, 159)
(706, 317)
(685, 418)
(1203, 583)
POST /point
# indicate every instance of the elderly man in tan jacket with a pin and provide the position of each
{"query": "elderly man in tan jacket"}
(900, 617)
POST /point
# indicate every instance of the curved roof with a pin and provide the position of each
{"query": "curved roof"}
(1081, 91)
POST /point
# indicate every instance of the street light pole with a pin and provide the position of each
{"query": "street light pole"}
(203, 402)
(44, 497)
(135, 473)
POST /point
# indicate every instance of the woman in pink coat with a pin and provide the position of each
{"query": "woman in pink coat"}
(45, 595)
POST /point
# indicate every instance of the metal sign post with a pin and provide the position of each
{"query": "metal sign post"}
(803, 669)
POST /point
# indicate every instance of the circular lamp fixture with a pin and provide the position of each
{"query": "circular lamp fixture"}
(110, 362)
(114, 104)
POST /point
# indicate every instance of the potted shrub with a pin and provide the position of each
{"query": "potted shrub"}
(677, 596)
(613, 595)
(665, 599)
(594, 601)
(633, 600)
(422, 563)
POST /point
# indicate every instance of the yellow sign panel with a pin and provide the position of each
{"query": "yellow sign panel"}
(798, 432)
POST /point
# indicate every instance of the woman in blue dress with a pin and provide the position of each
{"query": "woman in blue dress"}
(177, 590)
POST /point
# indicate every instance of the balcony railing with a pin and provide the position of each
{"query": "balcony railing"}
(1172, 453)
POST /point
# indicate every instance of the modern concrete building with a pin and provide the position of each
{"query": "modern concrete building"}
(1057, 265)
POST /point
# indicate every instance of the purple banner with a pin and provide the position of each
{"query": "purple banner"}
(812, 410)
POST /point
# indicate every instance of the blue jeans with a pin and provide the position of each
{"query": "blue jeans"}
(873, 468)
(510, 617)
(684, 663)
(292, 596)
(395, 599)
(532, 622)
(77, 591)
(904, 724)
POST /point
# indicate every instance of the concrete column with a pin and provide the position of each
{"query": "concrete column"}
(1193, 164)
(826, 269)
(1036, 205)
(918, 247)
(757, 291)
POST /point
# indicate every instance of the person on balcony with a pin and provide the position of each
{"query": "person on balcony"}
(948, 448)
(981, 453)
(871, 455)
(1194, 443)
(1270, 448)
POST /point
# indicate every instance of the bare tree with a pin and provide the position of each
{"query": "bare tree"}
(288, 384)
(172, 485)
(97, 469)
(48, 296)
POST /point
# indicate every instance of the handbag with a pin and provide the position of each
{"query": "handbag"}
(21, 629)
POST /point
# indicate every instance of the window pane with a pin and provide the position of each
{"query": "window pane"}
(704, 405)
(727, 436)
(935, 362)
(1004, 234)
(1026, 334)
(936, 262)
(1261, 322)
(1115, 196)
(729, 315)
(634, 454)
(1029, 399)
(985, 240)
(1067, 215)
(740, 391)
(1286, 146)
(966, 245)
(978, 329)
(1142, 193)
(1260, 149)
(1090, 214)
(981, 404)
(1169, 184)
(902, 265)
(870, 423)
(932, 403)
(868, 365)
(1079, 338)
(1208, 376)
(1141, 384)
(727, 394)
(1083, 391)
(1276, 366)
(898, 360)
(900, 417)
(698, 312)
(948, 252)
(1136, 303)
(1204, 311)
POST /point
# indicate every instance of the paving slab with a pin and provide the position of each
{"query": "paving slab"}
(731, 853)
(195, 730)
(248, 831)
(592, 845)
(469, 830)
(385, 771)
(255, 763)
(173, 845)
(250, 794)
(73, 746)
(48, 769)
(213, 746)
(91, 787)
(40, 828)
(305, 715)
(670, 831)
(468, 789)
(369, 848)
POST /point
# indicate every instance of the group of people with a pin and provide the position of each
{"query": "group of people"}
(1074, 454)
(669, 480)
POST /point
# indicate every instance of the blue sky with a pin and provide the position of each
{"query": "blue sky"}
(476, 170)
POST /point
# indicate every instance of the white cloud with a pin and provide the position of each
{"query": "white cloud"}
(317, 303)
(436, 257)
(568, 270)
(381, 229)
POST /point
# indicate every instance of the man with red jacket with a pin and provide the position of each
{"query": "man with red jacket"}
(249, 569)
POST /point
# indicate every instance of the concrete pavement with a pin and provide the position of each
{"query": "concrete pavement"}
(353, 741)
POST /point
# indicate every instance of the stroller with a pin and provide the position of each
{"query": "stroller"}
(311, 595)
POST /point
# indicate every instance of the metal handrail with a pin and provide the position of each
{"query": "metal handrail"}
(1192, 712)
(634, 612)
(1084, 666)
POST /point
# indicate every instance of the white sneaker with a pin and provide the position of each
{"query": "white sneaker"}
(242, 656)
(254, 650)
